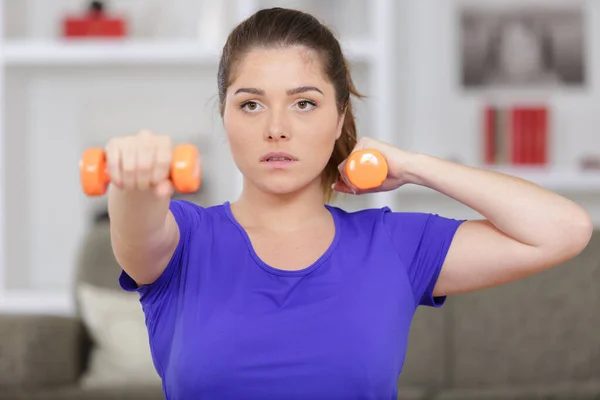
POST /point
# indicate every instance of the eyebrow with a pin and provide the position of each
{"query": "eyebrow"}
(291, 92)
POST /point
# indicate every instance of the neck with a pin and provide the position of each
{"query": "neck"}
(287, 212)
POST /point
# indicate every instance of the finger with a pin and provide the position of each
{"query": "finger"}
(113, 164)
(144, 162)
(128, 166)
(164, 189)
(342, 187)
(162, 162)
(358, 146)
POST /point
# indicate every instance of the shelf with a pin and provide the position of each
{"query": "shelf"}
(36, 302)
(149, 53)
(102, 53)
(559, 179)
(555, 179)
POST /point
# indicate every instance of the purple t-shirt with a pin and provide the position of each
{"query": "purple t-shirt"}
(225, 325)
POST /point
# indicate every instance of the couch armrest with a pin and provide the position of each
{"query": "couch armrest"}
(38, 350)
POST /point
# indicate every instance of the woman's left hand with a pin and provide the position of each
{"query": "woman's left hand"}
(398, 167)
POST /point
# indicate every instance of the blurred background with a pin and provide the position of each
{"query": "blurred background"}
(502, 85)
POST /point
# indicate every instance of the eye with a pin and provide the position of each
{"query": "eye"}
(306, 105)
(250, 106)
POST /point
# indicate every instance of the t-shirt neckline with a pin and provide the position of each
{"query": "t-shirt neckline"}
(281, 272)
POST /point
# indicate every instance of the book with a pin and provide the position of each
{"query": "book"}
(516, 135)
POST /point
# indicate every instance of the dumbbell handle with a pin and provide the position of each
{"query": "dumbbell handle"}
(185, 171)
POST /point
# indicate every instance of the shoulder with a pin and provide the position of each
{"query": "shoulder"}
(382, 216)
(190, 215)
(366, 216)
(406, 227)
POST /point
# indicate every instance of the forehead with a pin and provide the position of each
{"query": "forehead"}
(292, 66)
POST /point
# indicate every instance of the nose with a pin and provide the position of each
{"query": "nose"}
(277, 128)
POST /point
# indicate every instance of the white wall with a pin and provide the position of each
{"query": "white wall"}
(446, 117)
(68, 111)
(54, 113)
(444, 120)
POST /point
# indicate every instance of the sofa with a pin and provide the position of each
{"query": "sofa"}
(538, 338)
(46, 357)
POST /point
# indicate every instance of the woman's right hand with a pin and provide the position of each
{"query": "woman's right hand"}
(141, 162)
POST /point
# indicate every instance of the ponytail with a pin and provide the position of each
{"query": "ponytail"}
(344, 145)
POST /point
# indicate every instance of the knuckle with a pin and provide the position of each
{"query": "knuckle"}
(145, 133)
(111, 145)
(128, 168)
(112, 163)
(163, 164)
(144, 167)
(164, 142)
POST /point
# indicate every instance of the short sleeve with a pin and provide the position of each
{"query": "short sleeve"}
(422, 241)
(188, 217)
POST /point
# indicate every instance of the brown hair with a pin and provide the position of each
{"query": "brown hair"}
(285, 27)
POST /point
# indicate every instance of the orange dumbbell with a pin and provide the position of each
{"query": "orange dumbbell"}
(366, 169)
(185, 170)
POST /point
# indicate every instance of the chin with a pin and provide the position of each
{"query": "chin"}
(280, 188)
(282, 185)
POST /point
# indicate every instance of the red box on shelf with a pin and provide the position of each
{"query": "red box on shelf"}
(95, 22)
(94, 27)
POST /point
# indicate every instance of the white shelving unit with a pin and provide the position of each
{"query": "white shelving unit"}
(425, 75)
(373, 52)
(555, 179)
(131, 53)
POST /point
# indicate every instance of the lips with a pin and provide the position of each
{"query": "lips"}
(278, 157)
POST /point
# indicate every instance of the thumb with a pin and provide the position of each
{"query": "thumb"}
(164, 189)
(342, 187)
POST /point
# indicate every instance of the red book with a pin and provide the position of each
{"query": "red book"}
(489, 135)
(529, 135)
(541, 149)
(528, 139)
(516, 136)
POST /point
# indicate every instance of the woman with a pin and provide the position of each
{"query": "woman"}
(279, 295)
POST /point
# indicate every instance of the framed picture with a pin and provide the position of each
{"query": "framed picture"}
(522, 46)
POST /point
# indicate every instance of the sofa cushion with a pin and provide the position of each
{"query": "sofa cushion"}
(77, 393)
(134, 393)
(37, 350)
(409, 393)
(121, 352)
(565, 391)
(540, 330)
(96, 263)
(424, 365)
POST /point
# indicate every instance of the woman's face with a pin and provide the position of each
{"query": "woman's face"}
(281, 119)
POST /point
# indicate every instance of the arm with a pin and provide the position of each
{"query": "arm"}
(144, 233)
(525, 229)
